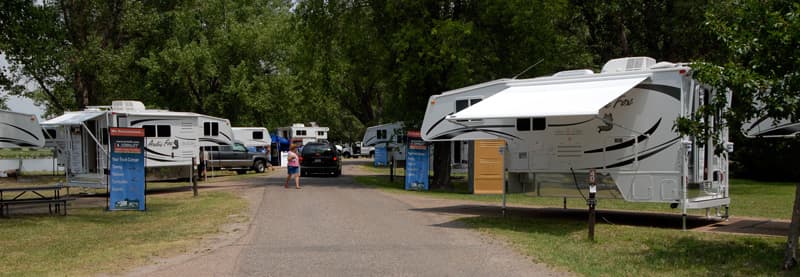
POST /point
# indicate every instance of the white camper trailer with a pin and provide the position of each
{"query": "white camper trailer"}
(255, 138)
(393, 134)
(172, 139)
(618, 122)
(299, 133)
(767, 127)
(20, 130)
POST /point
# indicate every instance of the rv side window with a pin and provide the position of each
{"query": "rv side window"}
(523, 124)
(215, 129)
(539, 123)
(461, 104)
(320, 133)
(474, 101)
(206, 128)
(300, 132)
(258, 135)
(163, 131)
(149, 131)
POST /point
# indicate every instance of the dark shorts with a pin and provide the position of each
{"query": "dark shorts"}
(294, 170)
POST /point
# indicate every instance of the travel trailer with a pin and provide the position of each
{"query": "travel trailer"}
(618, 122)
(172, 139)
(20, 130)
(254, 138)
(299, 133)
(392, 135)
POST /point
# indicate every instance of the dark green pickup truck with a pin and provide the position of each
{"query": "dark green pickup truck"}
(233, 157)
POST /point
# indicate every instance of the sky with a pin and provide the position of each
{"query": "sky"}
(20, 104)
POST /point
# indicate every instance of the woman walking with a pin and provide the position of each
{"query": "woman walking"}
(294, 168)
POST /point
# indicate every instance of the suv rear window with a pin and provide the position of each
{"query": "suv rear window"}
(323, 149)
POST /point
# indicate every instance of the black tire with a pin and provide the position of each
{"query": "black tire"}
(241, 171)
(337, 173)
(259, 166)
(303, 173)
(347, 155)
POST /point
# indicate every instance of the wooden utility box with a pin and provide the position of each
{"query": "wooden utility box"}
(486, 166)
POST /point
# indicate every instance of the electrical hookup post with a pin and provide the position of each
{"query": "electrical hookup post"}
(127, 181)
(417, 162)
(592, 202)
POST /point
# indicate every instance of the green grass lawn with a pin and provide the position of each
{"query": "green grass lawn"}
(92, 240)
(25, 153)
(622, 250)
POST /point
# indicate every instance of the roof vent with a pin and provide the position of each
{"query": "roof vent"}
(576, 72)
(127, 106)
(298, 125)
(628, 64)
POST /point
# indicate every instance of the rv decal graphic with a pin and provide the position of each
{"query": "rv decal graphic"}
(569, 124)
(645, 156)
(645, 151)
(135, 122)
(608, 119)
(629, 142)
(148, 150)
(17, 142)
(21, 129)
(224, 135)
(461, 131)
(671, 91)
(162, 143)
(369, 141)
(437, 123)
(217, 141)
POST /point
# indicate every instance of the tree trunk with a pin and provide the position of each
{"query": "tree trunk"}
(441, 165)
(790, 255)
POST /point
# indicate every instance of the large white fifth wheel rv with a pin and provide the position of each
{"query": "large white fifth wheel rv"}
(618, 122)
(20, 130)
(255, 138)
(172, 139)
(301, 134)
(392, 135)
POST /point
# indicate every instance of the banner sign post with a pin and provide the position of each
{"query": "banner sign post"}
(127, 180)
(417, 162)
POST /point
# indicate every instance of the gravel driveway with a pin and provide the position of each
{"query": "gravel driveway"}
(333, 227)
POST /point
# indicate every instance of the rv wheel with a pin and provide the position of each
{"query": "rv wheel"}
(259, 167)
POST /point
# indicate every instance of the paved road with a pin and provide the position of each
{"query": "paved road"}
(332, 227)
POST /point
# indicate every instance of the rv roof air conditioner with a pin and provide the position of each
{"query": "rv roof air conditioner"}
(127, 106)
(576, 72)
(628, 64)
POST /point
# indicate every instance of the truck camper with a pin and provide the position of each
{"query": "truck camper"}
(20, 130)
(392, 135)
(172, 139)
(254, 138)
(618, 122)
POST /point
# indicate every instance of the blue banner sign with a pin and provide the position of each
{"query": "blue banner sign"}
(126, 183)
(381, 155)
(417, 164)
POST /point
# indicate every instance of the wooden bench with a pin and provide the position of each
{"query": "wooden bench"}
(54, 202)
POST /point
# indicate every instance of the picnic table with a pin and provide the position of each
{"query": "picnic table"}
(50, 195)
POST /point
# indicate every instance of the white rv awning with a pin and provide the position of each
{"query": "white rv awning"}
(550, 99)
(73, 118)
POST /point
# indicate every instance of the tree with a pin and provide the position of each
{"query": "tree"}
(763, 71)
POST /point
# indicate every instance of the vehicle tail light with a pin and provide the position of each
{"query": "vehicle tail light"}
(334, 158)
(300, 159)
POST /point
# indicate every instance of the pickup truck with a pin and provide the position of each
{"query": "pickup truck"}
(233, 157)
(355, 150)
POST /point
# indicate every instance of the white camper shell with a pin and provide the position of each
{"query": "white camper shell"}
(256, 138)
(20, 130)
(393, 134)
(299, 133)
(618, 122)
(172, 139)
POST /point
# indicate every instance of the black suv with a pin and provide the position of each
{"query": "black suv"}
(319, 157)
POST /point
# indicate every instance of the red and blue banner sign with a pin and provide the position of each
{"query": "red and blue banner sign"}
(417, 162)
(127, 179)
